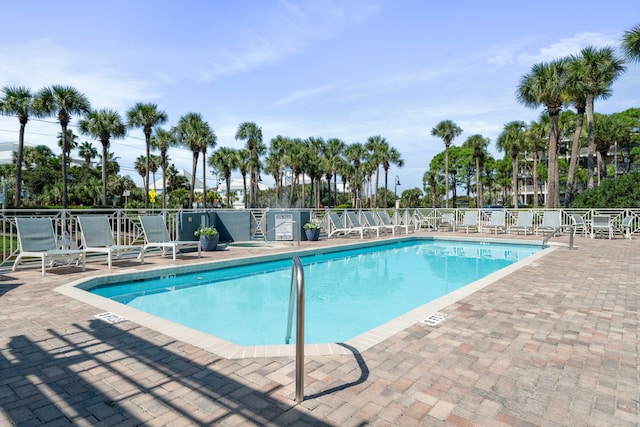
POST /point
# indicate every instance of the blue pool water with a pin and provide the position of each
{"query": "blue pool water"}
(347, 292)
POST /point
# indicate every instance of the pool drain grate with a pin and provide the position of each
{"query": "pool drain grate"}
(110, 317)
(435, 319)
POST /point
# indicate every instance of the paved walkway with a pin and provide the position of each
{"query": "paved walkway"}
(554, 344)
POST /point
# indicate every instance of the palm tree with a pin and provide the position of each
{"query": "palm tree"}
(296, 159)
(88, 152)
(511, 141)
(209, 140)
(356, 153)
(478, 144)
(315, 168)
(18, 101)
(275, 162)
(389, 156)
(631, 43)
(601, 68)
(243, 160)
(429, 180)
(333, 157)
(146, 116)
(225, 160)
(140, 165)
(577, 95)
(252, 134)
(163, 139)
(154, 164)
(374, 145)
(71, 141)
(193, 132)
(545, 85)
(447, 130)
(63, 102)
(536, 139)
(610, 130)
(103, 124)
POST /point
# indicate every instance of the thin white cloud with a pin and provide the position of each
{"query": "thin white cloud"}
(288, 31)
(501, 60)
(41, 63)
(569, 46)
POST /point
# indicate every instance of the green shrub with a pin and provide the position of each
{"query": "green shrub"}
(623, 192)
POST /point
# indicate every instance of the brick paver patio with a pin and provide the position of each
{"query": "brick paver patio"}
(554, 344)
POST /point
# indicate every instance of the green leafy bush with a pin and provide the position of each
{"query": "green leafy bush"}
(623, 192)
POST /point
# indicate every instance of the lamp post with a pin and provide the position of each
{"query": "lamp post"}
(395, 192)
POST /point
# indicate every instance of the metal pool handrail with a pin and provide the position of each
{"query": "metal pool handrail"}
(297, 290)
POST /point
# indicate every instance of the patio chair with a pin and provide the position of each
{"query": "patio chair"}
(551, 222)
(578, 224)
(469, 222)
(626, 226)
(420, 220)
(370, 221)
(97, 237)
(338, 227)
(524, 223)
(601, 224)
(38, 240)
(352, 219)
(446, 222)
(385, 219)
(156, 235)
(497, 221)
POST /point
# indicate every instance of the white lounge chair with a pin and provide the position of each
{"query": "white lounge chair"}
(385, 219)
(354, 222)
(524, 223)
(97, 237)
(371, 221)
(156, 235)
(551, 222)
(497, 222)
(469, 222)
(338, 227)
(38, 240)
(446, 222)
(601, 224)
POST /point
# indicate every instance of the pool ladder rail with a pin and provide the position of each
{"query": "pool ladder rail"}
(297, 294)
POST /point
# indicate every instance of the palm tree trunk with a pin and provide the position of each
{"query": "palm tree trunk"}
(591, 147)
(478, 183)
(105, 152)
(164, 186)
(446, 175)
(17, 197)
(65, 197)
(194, 170)
(147, 137)
(553, 186)
(535, 179)
(573, 162)
(204, 180)
(514, 180)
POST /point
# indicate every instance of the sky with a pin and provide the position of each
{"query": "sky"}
(348, 69)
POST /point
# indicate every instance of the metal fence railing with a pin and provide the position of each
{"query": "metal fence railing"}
(127, 230)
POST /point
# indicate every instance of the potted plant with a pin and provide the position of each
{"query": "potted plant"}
(312, 230)
(209, 237)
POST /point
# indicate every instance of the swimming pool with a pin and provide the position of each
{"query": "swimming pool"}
(347, 292)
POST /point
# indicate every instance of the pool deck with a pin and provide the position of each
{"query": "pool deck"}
(555, 343)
